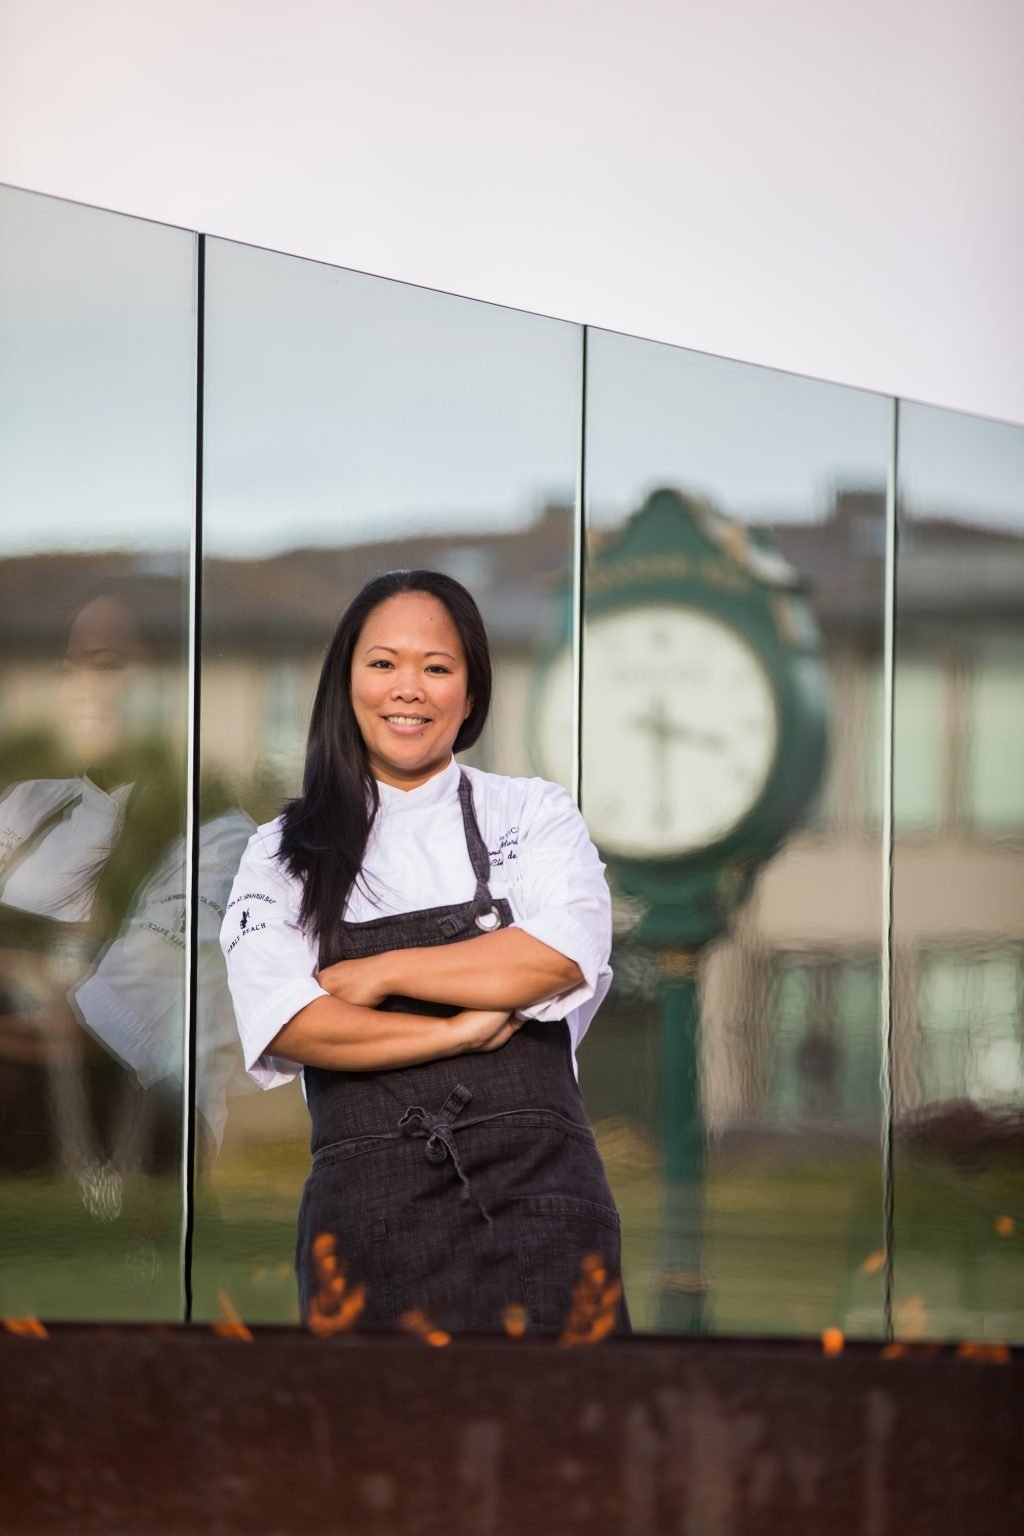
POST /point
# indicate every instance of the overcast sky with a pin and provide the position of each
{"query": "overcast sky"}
(340, 407)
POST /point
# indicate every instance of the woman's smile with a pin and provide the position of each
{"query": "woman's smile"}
(409, 688)
(406, 722)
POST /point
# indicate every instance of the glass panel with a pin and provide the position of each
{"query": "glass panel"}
(97, 379)
(922, 769)
(994, 747)
(732, 637)
(353, 426)
(959, 881)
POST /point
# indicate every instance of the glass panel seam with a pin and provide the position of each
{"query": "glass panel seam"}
(192, 806)
(888, 775)
(578, 574)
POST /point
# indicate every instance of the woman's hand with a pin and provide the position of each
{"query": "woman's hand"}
(361, 982)
(485, 1029)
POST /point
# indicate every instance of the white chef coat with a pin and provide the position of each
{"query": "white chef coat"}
(542, 861)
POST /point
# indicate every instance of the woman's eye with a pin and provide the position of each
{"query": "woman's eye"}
(381, 663)
(438, 667)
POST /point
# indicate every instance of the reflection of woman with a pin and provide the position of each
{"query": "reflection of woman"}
(429, 943)
(92, 899)
(72, 848)
(58, 834)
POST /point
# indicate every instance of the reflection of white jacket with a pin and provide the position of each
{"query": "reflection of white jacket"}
(133, 1001)
(57, 877)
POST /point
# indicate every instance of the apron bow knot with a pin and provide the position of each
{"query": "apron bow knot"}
(440, 1133)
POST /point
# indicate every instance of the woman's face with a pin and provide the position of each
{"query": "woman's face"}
(409, 688)
(102, 662)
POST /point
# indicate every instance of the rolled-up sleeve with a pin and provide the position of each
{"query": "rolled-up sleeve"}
(560, 896)
(271, 962)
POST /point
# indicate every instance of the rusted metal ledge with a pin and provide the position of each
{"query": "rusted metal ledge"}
(125, 1430)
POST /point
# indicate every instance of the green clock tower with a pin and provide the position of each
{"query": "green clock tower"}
(704, 737)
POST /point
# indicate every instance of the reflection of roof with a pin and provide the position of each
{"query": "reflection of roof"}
(40, 594)
(517, 579)
(949, 569)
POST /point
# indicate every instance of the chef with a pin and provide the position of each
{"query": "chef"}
(428, 944)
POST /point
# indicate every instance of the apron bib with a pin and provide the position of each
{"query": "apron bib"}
(463, 1187)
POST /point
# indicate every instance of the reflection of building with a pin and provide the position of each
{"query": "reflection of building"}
(810, 939)
(266, 623)
(791, 1003)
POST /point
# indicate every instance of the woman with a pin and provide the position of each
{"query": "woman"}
(428, 943)
(91, 905)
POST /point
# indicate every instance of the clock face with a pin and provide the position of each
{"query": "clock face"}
(680, 728)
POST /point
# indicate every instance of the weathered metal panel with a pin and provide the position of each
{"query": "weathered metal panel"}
(122, 1430)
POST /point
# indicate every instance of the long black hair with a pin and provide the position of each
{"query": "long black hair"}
(325, 831)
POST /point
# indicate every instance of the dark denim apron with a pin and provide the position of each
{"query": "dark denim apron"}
(464, 1186)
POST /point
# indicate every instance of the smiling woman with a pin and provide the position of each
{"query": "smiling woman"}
(410, 690)
(432, 945)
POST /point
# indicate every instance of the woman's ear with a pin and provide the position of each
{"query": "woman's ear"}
(469, 707)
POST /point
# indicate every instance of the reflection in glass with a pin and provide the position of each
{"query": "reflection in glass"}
(958, 916)
(735, 1079)
(96, 466)
(353, 426)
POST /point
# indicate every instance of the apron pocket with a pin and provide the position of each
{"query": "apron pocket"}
(570, 1260)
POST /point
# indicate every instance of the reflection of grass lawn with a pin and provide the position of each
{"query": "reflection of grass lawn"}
(792, 1248)
(58, 1261)
(782, 1248)
(788, 1246)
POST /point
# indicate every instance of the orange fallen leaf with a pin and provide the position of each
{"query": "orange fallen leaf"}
(231, 1326)
(418, 1323)
(336, 1305)
(832, 1341)
(874, 1262)
(515, 1320)
(26, 1327)
(595, 1299)
(988, 1354)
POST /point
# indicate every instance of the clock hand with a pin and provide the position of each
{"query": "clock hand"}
(706, 738)
(662, 729)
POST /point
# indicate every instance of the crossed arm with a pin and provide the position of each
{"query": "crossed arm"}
(486, 977)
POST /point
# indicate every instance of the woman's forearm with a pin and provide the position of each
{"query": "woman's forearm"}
(509, 969)
(346, 1038)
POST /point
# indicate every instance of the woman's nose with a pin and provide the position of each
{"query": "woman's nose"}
(407, 688)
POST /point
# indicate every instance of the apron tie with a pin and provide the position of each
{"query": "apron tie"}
(440, 1134)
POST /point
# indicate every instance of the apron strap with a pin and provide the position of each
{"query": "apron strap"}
(485, 911)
